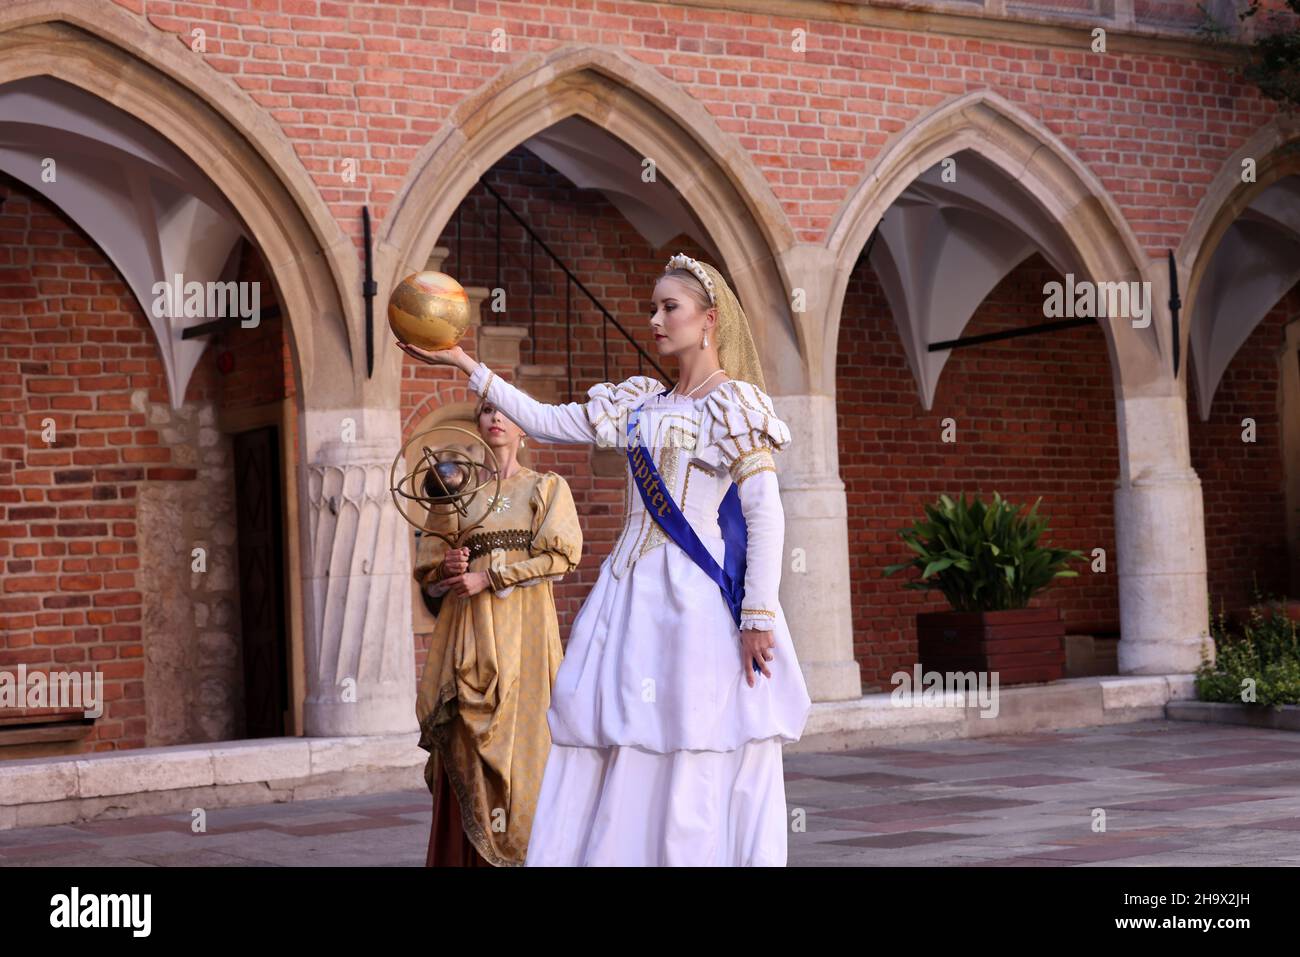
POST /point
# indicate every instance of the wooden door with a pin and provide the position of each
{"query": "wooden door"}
(261, 582)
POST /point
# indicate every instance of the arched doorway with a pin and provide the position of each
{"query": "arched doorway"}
(252, 198)
(972, 197)
(1242, 255)
(639, 112)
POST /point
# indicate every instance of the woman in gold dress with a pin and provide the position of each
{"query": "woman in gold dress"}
(493, 656)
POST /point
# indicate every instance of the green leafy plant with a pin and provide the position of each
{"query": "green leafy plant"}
(1264, 656)
(983, 557)
(1272, 62)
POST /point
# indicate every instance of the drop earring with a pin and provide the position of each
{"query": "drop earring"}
(705, 343)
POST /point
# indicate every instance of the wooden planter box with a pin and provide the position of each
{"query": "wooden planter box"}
(1023, 645)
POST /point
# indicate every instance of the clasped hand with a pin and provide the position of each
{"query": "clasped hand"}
(456, 574)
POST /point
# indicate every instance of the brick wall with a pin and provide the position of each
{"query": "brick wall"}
(374, 82)
(1034, 416)
(261, 367)
(1242, 483)
(76, 351)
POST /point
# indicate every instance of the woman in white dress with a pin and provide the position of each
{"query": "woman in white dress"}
(666, 718)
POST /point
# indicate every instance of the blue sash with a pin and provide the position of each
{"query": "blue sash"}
(731, 520)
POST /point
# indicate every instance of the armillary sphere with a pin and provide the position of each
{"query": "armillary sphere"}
(445, 478)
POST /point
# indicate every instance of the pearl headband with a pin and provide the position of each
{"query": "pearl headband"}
(683, 261)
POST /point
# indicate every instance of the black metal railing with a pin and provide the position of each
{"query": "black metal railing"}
(506, 258)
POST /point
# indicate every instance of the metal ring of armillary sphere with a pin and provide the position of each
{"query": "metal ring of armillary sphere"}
(443, 478)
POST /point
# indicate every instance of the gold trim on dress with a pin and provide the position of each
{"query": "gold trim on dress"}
(669, 463)
(481, 543)
(753, 472)
(691, 464)
(750, 463)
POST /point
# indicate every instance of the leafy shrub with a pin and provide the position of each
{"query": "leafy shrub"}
(1259, 666)
(983, 558)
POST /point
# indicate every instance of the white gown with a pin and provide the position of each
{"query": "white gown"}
(661, 753)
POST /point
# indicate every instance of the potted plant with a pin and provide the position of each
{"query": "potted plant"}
(987, 562)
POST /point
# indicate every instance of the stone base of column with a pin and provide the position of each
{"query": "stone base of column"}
(1163, 601)
(359, 647)
(387, 709)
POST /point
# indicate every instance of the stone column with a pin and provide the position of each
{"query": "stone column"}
(360, 657)
(815, 579)
(1160, 541)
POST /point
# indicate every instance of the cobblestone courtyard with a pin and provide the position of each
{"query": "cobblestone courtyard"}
(1173, 793)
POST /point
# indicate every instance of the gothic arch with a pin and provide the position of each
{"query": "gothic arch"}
(1275, 147)
(1226, 298)
(148, 75)
(1034, 158)
(638, 105)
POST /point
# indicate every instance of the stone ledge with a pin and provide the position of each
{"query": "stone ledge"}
(64, 790)
(874, 720)
(1286, 718)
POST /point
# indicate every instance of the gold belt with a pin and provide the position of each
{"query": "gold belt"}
(480, 543)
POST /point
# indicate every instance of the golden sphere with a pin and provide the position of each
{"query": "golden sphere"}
(429, 310)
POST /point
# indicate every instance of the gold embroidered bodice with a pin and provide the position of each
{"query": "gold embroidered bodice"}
(699, 446)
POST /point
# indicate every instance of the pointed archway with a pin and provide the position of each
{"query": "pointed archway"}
(352, 577)
(1090, 227)
(1158, 509)
(1241, 256)
(654, 117)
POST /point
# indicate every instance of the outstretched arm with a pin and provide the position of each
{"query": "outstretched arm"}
(598, 421)
(567, 422)
(550, 423)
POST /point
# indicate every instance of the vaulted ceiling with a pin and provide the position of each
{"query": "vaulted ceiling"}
(143, 202)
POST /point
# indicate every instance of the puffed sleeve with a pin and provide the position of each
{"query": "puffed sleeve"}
(556, 547)
(744, 434)
(596, 421)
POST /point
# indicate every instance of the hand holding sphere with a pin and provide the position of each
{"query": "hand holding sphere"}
(429, 313)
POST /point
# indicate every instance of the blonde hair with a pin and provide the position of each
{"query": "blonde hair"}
(693, 285)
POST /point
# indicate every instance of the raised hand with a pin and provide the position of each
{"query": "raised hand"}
(455, 356)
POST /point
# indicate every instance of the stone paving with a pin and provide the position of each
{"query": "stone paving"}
(1172, 793)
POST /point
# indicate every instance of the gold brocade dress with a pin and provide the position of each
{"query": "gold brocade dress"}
(493, 657)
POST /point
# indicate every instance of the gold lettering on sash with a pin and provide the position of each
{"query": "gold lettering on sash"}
(648, 482)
